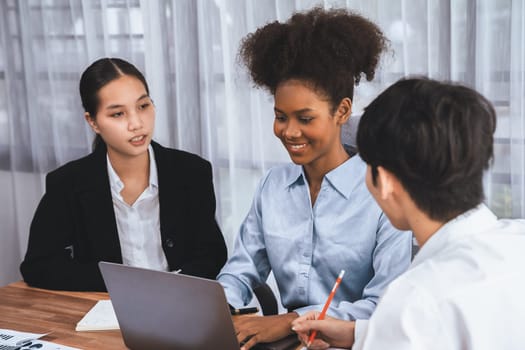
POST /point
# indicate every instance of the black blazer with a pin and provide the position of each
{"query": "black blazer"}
(74, 226)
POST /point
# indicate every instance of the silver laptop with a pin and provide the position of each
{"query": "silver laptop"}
(162, 310)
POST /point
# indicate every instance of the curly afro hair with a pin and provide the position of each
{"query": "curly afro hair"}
(329, 49)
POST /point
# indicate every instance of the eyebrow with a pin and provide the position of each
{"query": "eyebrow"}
(300, 111)
(119, 106)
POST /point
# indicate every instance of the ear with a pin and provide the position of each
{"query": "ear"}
(92, 122)
(385, 183)
(343, 110)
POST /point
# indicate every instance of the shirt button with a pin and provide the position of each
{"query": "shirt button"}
(169, 243)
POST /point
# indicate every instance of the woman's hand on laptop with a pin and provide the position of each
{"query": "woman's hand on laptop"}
(262, 329)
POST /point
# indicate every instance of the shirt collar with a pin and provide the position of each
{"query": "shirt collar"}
(295, 175)
(117, 185)
(153, 177)
(347, 176)
(471, 222)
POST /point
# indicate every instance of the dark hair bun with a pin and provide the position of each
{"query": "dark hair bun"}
(331, 49)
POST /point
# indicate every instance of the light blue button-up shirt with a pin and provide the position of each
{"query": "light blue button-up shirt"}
(306, 247)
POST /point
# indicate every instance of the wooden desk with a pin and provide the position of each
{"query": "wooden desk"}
(35, 310)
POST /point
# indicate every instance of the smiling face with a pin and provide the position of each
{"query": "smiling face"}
(305, 125)
(125, 117)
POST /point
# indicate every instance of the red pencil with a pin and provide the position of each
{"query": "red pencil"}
(326, 305)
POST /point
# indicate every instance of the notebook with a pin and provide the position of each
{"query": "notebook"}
(100, 317)
(162, 310)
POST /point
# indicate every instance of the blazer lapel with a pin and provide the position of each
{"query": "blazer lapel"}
(94, 195)
(172, 199)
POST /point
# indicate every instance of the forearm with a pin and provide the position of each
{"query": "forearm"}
(238, 293)
(62, 274)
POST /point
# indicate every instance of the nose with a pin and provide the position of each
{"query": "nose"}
(292, 130)
(134, 121)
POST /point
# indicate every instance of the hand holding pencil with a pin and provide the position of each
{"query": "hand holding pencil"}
(326, 305)
(334, 332)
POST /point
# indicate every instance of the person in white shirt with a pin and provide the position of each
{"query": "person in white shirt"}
(426, 145)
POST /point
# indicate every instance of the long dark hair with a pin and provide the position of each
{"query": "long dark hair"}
(96, 76)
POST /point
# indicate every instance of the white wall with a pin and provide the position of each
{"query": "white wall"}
(15, 220)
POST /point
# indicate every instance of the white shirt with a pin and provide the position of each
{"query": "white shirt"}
(464, 290)
(138, 224)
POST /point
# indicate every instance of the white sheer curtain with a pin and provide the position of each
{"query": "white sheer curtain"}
(205, 103)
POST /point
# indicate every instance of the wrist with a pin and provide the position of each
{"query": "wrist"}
(290, 317)
(347, 341)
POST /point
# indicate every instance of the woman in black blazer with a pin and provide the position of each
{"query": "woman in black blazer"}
(92, 211)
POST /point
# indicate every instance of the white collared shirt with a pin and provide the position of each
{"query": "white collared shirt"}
(138, 224)
(464, 290)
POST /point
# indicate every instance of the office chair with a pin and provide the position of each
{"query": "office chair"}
(415, 247)
(266, 299)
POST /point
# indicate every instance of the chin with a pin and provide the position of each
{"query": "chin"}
(304, 159)
(401, 225)
(301, 162)
(296, 161)
(138, 151)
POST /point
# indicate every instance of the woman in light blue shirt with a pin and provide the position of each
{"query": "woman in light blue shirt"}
(312, 218)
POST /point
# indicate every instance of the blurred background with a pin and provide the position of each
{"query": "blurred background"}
(206, 105)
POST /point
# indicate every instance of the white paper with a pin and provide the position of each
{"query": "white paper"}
(9, 337)
(100, 317)
(45, 345)
(11, 340)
